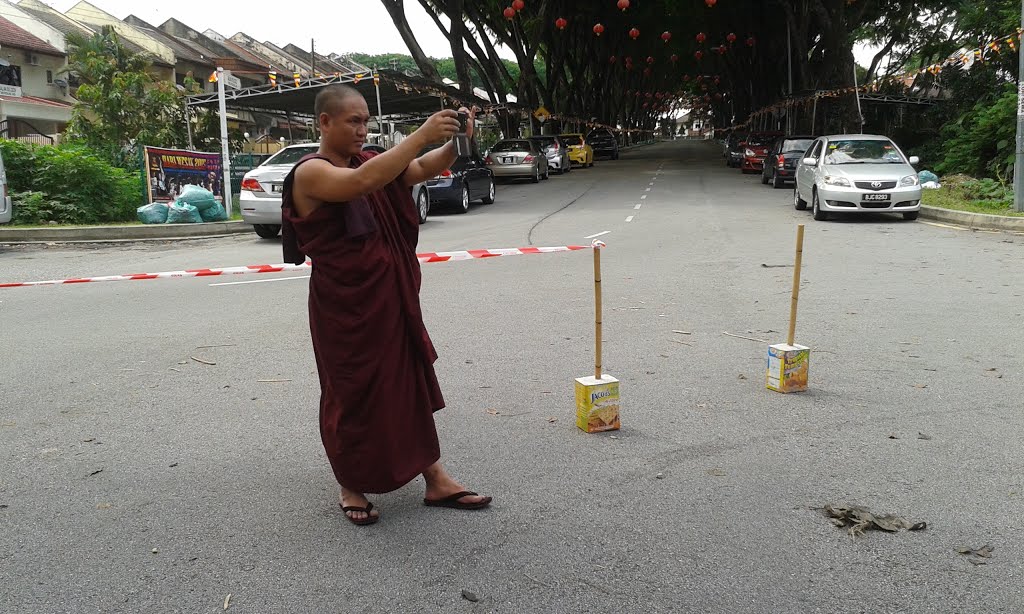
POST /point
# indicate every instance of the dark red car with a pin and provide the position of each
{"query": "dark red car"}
(755, 150)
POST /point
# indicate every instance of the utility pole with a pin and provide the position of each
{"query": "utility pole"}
(789, 55)
(1018, 167)
(312, 58)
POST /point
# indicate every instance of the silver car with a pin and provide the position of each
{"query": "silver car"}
(556, 151)
(518, 158)
(857, 173)
(260, 199)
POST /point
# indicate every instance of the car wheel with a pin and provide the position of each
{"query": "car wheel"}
(798, 203)
(423, 206)
(591, 165)
(489, 199)
(911, 215)
(464, 205)
(819, 215)
(764, 178)
(536, 175)
(267, 231)
(778, 185)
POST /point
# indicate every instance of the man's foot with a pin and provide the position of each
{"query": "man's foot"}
(443, 491)
(357, 508)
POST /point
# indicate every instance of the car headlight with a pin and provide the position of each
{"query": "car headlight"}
(909, 181)
(749, 153)
(839, 181)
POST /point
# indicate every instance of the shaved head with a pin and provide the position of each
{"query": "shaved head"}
(331, 98)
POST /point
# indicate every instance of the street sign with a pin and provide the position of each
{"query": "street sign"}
(232, 82)
(541, 114)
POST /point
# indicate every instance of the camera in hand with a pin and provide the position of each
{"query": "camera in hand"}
(461, 140)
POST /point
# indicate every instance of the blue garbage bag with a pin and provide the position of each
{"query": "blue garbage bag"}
(199, 197)
(183, 213)
(214, 214)
(926, 176)
(153, 213)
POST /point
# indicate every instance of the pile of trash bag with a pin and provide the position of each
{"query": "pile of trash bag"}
(195, 206)
(929, 180)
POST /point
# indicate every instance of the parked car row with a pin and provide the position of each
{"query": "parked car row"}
(836, 174)
(470, 179)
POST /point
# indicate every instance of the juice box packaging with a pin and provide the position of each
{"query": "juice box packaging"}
(788, 367)
(597, 404)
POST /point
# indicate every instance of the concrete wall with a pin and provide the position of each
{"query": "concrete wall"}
(33, 26)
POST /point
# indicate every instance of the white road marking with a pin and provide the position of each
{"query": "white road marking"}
(637, 207)
(257, 281)
(600, 234)
(651, 183)
(647, 190)
(629, 219)
(644, 197)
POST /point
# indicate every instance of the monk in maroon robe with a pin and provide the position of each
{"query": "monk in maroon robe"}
(352, 213)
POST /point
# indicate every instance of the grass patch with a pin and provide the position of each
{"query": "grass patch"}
(954, 198)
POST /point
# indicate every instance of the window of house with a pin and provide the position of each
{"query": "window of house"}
(10, 75)
(49, 76)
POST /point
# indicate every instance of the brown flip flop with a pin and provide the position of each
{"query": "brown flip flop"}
(370, 518)
(453, 502)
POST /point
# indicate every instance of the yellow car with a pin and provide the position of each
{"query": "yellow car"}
(580, 151)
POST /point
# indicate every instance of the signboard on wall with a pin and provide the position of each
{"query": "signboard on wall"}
(168, 171)
(11, 91)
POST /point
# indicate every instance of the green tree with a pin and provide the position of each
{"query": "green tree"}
(121, 104)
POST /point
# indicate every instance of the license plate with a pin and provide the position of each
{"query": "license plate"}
(876, 197)
(276, 188)
(506, 160)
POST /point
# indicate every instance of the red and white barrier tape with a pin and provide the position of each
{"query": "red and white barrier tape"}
(282, 268)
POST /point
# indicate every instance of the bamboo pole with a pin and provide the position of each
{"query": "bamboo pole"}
(597, 310)
(796, 283)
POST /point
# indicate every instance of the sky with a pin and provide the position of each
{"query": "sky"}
(347, 26)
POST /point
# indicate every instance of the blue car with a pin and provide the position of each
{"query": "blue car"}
(468, 180)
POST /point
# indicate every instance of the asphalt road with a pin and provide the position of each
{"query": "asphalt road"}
(136, 479)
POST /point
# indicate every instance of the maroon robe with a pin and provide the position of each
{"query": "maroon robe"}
(378, 389)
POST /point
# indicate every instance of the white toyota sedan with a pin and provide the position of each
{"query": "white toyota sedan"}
(260, 199)
(857, 173)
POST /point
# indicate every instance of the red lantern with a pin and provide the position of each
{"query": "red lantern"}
(623, 4)
(629, 59)
(751, 41)
(699, 55)
(509, 13)
(711, 3)
(560, 23)
(518, 5)
(650, 60)
(645, 105)
(611, 60)
(647, 72)
(717, 80)
(721, 49)
(718, 96)
(674, 58)
(707, 99)
(701, 37)
(634, 34)
(686, 77)
(598, 29)
(666, 36)
(731, 38)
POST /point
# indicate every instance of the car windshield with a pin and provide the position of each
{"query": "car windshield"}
(511, 146)
(572, 140)
(880, 151)
(796, 145)
(290, 155)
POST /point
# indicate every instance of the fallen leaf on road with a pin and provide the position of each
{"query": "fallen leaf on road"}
(742, 337)
(681, 342)
(920, 385)
(468, 596)
(893, 436)
(552, 420)
(227, 601)
(494, 412)
(90, 440)
(978, 556)
(775, 266)
(206, 347)
(924, 437)
(8, 424)
(95, 472)
(682, 332)
(200, 360)
(716, 472)
(860, 518)
(660, 476)
(272, 381)
(173, 465)
(741, 376)
(104, 506)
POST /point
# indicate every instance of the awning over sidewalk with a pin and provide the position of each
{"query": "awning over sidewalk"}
(32, 108)
(400, 95)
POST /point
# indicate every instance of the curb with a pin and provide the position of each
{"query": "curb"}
(982, 221)
(104, 234)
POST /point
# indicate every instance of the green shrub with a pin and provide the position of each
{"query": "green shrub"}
(70, 183)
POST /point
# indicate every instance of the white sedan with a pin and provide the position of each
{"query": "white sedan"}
(260, 199)
(857, 173)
